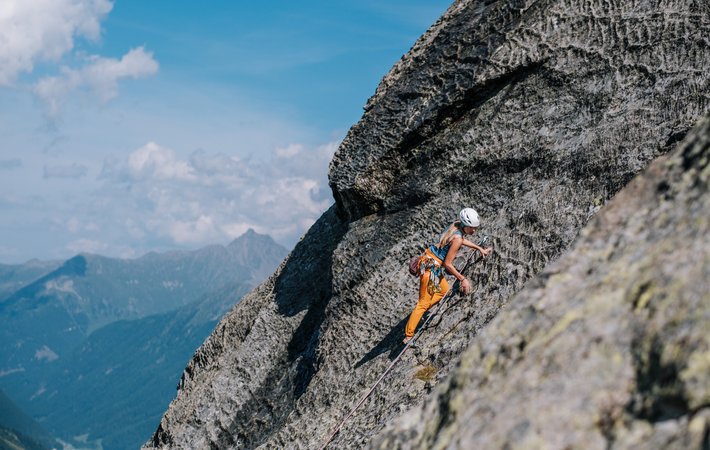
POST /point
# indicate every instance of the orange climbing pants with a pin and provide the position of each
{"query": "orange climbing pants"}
(426, 300)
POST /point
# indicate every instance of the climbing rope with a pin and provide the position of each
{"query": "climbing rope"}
(448, 295)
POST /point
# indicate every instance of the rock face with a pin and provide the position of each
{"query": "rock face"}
(533, 112)
(608, 347)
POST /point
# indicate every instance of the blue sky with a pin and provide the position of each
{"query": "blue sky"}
(136, 126)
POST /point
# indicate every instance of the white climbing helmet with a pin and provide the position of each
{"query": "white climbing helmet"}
(469, 217)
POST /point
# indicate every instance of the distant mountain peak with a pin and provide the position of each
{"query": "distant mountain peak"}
(252, 235)
(74, 266)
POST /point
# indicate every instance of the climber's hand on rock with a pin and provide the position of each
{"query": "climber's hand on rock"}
(465, 286)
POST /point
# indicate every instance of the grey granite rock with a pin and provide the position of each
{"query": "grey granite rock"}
(609, 348)
(536, 113)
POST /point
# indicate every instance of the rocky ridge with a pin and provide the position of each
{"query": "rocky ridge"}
(536, 113)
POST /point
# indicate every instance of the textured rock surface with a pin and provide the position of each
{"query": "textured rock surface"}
(609, 347)
(535, 113)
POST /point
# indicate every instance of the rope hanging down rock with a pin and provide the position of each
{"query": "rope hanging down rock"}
(448, 295)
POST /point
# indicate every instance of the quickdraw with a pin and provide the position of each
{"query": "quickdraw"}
(429, 263)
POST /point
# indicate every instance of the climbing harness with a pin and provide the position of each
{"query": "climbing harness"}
(452, 291)
(436, 272)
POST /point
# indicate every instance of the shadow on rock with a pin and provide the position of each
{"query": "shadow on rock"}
(304, 284)
(392, 343)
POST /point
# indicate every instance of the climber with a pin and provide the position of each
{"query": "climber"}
(432, 284)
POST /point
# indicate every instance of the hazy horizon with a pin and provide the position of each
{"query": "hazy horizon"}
(159, 251)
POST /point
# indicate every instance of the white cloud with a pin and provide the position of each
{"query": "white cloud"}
(154, 161)
(212, 197)
(74, 171)
(33, 31)
(134, 229)
(236, 229)
(195, 231)
(75, 225)
(215, 164)
(100, 76)
(289, 151)
(87, 246)
(150, 162)
(44, 30)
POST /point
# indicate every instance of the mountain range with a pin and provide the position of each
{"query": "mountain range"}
(93, 345)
